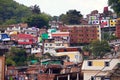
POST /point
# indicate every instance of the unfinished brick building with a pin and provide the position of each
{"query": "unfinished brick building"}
(82, 33)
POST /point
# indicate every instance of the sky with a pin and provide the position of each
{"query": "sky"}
(58, 7)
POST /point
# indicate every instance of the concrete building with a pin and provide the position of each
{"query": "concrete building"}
(55, 24)
(36, 50)
(59, 40)
(62, 39)
(73, 53)
(33, 31)
(16, 27)
(25, 39)
(41, 31)
(99, 69)
(48, 45)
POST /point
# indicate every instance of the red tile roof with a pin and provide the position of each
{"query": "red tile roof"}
(25, 36)
(26, 39)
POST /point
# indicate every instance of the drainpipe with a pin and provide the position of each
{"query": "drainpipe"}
(49, 70)
(57, 78)
(68, 76)
(77, 76)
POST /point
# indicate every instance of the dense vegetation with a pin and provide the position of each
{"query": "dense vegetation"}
(38, 20)
(18, 57)
(115, 5)
(97, 48)
(71, 17)
(12, 12)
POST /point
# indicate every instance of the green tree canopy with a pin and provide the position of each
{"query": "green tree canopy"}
(35, 9)
(71, 17)
(55, 18)
(86, 48)
(10, 62)
(38, 20)
(107, 36)
(99, 48)
(115, 5)
(16, 56)
(12, 12)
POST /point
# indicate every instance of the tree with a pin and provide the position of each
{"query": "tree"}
(99, 48)
(10, 21)
(16, 57)
(39, 21)
(107, 36)
(71, 17)
(55, 18)
(12, 12)
(63, 18)
(86, 51)
(10, 62)
(86, 48)
(115, 5)
(47, 56)
(35, 9)
(32, 57)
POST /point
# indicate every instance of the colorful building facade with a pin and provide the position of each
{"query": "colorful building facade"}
(61, 38)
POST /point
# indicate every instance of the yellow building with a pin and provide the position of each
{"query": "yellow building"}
(99, 69)
(112, 22)
(74, 54)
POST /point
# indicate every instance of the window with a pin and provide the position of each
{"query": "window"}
(92, 78)
(50, 44)
(107, 63)
(111, 24)
(11, 71)
(58, 44)
(89, 63)
(46, 49)
(36, 48)
(76, 57)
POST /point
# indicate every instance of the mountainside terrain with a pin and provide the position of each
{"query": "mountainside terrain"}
(12, 12)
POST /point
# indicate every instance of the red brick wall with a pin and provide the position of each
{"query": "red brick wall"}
(81, 34)
(118, 31)
(46, 76)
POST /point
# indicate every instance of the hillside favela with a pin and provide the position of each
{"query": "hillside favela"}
(38, 45)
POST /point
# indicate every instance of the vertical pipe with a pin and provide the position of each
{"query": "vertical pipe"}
(68, 76)
(77, 76)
